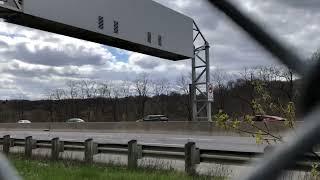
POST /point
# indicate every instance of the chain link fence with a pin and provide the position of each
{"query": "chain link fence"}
(272, 166)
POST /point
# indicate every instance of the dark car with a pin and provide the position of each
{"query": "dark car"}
(150, 118)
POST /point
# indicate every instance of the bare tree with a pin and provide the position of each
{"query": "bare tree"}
(245, 88)
(281, 76)
(58, 94)
(20, 106)
(73, 90)
(125, 92)
(220, 81)
(104, 90)
(142, 90)
(315, 56)
(267, 73)
(288, 88)
(161, 86)
(49, 104)
(125, 88)
(57, 97)
(115, 101)
(161, 89)
(89, 89)
(102, 98)
(73, 94)
(184, 83)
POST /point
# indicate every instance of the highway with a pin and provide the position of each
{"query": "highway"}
(232, 143)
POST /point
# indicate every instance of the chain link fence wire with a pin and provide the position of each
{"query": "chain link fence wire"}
(7, 172)
(285, 156)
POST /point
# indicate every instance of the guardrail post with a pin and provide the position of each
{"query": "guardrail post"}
(140, 155)
(190, 151)
(133, 154)
(89, 150)
(34, 144)
(12, 142)
(61, 146)
(55, 149)
(6, 144)
(28, 146)
(197, 159)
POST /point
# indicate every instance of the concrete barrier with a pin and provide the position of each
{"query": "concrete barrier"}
(194, 128)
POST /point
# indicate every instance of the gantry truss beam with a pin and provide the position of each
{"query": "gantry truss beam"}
(201, 106)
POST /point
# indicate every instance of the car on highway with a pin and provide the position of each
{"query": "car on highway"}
(75, 120)
(24, 122)
(152, 118)
(267, 118)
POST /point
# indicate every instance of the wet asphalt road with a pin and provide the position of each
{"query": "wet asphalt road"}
(231, 143)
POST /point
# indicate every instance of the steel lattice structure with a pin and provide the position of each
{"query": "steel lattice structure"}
(201, 105)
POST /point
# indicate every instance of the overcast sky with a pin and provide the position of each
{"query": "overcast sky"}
(33, 61)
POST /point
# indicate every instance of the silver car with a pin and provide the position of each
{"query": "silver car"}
(24, 122)
(75, 120)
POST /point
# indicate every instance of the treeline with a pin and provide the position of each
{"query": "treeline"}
(103, 101)
(237, 94)
(261, 90)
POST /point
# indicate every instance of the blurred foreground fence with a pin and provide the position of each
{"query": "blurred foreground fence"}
(189, 153)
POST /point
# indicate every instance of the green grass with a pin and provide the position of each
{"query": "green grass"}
(46, 170)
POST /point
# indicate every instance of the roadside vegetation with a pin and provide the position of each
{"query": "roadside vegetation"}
(63, 170)
(265, 101)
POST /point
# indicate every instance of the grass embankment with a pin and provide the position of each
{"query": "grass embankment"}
(46, 170)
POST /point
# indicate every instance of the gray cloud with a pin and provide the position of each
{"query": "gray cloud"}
(39, 71)
(309, 4)
(52, 57)
(148, 63)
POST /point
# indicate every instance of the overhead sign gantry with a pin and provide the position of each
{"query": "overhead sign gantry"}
(142, 26)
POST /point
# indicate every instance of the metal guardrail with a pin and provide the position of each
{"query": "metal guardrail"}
(189, 152)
